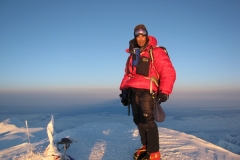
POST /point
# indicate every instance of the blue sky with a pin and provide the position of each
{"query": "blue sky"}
(79, 46)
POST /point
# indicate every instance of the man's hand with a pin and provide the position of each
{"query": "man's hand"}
(124, 97)
(132, 44)
(162, 97)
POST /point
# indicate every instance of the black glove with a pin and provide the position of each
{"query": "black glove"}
(132, 44)
(162, 97)
(124, 97)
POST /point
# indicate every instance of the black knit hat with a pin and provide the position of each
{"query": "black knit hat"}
(140, 26)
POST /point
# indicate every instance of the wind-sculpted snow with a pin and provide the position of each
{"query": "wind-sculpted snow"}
(13, 132)
(231, 142)
(118, 141)
(10, 124)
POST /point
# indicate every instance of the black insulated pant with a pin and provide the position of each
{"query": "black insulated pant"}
(142, 110)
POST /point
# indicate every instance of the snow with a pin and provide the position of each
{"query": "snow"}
(10, 124)
(231, 142)
(106, 137)
(13, 132)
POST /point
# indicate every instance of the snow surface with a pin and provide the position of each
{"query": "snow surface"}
(106, 137)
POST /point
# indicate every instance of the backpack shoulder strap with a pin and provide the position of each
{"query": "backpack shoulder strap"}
(151, 54)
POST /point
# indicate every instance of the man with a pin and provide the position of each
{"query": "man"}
(153, 76)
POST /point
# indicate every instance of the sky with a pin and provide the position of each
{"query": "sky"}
(77, 48)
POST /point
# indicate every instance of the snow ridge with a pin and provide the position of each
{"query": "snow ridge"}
(104, 140)
(107, 141)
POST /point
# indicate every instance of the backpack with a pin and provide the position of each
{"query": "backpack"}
(151, 50)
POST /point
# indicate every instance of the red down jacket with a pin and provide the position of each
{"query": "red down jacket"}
(162, 67)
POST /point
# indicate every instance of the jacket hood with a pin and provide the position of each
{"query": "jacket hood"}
(152, 42)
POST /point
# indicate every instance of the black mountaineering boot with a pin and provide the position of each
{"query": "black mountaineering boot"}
(140, 153)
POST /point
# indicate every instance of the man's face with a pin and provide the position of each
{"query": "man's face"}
(141, 40)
